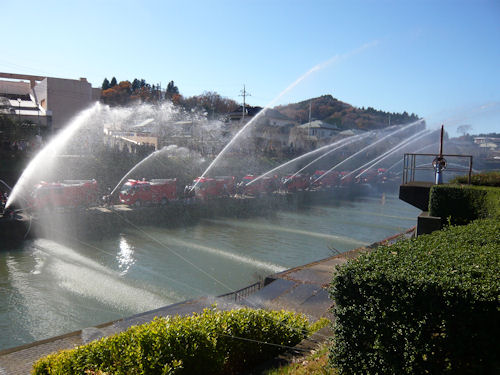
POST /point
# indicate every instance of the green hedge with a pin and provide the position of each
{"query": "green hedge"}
(481, 179)
(464, 203)
(423, 306)
(214, 342)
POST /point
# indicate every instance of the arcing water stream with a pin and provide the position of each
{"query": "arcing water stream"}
(314, 69)
(403, 128)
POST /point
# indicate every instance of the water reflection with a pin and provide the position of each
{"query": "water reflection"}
(125, 256)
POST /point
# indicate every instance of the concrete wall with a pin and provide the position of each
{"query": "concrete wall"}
(66, 98)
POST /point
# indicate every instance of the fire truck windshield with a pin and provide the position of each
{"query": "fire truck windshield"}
(127, 189)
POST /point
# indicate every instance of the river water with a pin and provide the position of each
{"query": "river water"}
(49, 288)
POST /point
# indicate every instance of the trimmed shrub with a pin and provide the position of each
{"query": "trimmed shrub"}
(462, 204)
(480, 179)
(423, 306)
(214, 342)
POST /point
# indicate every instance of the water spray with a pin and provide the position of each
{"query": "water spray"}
(385, 155)
(51, 149)
(314, 69)
(367, 147)
(298, 158)
(417, 151)
(113, 192)
(360, 136)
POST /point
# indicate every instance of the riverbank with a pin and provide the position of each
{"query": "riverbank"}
(302, 289)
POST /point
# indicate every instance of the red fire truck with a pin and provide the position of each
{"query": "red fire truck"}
(140, 192)
(205, 188)
(66, 194)
(263, 185)
(346, 178)
(294, 183)
(210, 188)
(330, 180)
(369, 176)
(226, 185)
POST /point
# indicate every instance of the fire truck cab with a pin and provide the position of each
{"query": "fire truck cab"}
(294, 183)
(369, 176)
(264, 185)
(140, 192)
(330, 180)
(205, 188)
(225, 185)
(346, 179)
(65, 194)
(210, 188)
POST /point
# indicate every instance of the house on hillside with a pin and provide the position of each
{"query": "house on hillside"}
(491, 143)
(311, 134)
(318, 129)
(269, 131)
(241, 117)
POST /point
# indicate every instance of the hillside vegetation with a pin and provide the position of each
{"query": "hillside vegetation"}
(344, 115)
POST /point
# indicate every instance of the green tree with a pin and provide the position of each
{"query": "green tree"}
(136, 85)
(172, 90)
(113, 82)
(105, 84)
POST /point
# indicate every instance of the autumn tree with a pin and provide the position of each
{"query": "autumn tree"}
(117, 95)
(210, 102)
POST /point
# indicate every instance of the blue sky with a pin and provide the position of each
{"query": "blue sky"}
(438, 59)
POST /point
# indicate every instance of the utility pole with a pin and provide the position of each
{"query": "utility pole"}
(309, 123)
(244, 93)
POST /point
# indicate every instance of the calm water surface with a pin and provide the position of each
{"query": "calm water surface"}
(49, 288)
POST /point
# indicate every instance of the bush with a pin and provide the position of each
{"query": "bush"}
(208, 343)
(481, 179)
(426, 305)
(464, 203)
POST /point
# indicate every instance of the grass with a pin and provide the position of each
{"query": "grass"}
(316, 363)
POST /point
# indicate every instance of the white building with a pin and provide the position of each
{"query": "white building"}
(45, 101)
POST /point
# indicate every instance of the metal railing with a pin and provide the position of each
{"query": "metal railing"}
(242, 293)
(422, 167)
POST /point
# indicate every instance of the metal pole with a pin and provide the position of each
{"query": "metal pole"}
(413, 166)
(470, 169)
(439, 165)
(19, 101)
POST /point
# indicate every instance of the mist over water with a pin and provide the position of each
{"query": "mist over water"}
(72, 153)
(52, 287)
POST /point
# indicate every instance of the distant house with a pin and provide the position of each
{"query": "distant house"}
(318, 129)
(242, 116)
(487, 142)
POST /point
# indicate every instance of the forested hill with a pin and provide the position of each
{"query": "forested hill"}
(345, 116)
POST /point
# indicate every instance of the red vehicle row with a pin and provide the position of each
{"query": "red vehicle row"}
(84, 193)
(142, 192)
(68, 193)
